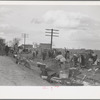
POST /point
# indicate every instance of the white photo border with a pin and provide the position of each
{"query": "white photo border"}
(50, 92)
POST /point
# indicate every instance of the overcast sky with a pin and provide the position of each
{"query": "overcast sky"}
(79, 26)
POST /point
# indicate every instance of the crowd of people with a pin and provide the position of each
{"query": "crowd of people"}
(84, 59)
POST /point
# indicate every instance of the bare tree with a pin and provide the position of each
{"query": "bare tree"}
(2, 45)
(16, 41)
(15, 44)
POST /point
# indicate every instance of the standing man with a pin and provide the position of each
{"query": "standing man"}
(61, 60)
(44, 54)
(6, 50)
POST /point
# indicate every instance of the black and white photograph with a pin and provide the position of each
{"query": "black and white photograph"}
(49, 45)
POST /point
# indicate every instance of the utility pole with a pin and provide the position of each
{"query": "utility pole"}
(52, 33)
(25, 36)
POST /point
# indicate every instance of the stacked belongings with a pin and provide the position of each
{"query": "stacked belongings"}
(81, 80)
(73, 73)
(46, 72)
(23, 61)
(60, 73)
(50, 74)
(87, 80)
(43, 70)
(68, 77)
(62, 76)
(65, 76)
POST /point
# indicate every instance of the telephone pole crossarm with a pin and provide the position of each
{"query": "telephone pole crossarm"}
(52, 34)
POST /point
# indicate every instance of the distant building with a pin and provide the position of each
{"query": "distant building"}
(44, 46)
(27, 46)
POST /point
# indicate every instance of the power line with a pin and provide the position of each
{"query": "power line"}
(52, 33)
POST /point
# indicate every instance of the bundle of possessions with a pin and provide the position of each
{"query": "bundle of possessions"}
(22, 60)
(68, 77)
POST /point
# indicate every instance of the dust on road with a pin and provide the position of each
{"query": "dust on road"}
(17, 75)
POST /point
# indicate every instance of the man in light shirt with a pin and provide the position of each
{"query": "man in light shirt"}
(61, 59)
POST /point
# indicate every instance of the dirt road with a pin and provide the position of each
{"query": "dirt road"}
(17, 75)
